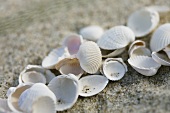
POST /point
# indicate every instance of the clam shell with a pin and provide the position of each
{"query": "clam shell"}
(33, 97)
(92, 85)
(92, 33)
(160, 38)
(161, 58)
(90, 57)
(167, 50)
(143, 21)
(4, 108)
(65, 88)
(73, 42)
(143, 51)
(13, 98)
(144, 65)
(112, 53)
(54, 57)
(116, 38)
(114, 68)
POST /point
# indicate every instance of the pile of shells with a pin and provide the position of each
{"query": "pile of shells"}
(85, 64)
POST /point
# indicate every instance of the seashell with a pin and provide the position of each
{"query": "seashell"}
(89, 56)
(38, 97)
(116, 38)
(112, 53)
(92, 33)
(92, 85)
(72, 66)
(159, 8)
(144, 65)
(143, 21)
(143, 51)
(65, 88)
(10, 90)
(161, 58)
(54, 57)
(4, 108)
(114, 68)
(13, 97)
(167, 50)
(160, 38)
(73, 42)
(47, 73)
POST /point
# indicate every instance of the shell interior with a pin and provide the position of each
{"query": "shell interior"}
(112, 53)
(135, 44)
(140, 51)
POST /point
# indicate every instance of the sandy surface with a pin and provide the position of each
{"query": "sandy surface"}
(30, 29)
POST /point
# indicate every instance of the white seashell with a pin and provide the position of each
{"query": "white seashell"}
(143, 21)
(65, 88)
(54, 57)
(37, 96)
(92, 85)
(4, 108)
(116, 38)
(143, 51)
(144, 65)
(47, 73)
(114, 68)
(161, 58)
(90, 57)
(73, 42)
(167, 50)
(92, 33)
(159, 8)
(13, 97)
(160, 38)
(10, 90)
(112, 53)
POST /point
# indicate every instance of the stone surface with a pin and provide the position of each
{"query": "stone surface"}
(30, 29)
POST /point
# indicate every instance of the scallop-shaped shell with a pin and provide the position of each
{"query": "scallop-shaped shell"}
(167, 50)
(112, 53)
(161, 58)
(34, 97)
(54, 57)
(13, 98)
(143, 21)
(90, 57)
(116, 38)
(4, 108)
(92, 33)
(65, 88)
(160, 38)
(73, 42)
(114, 68)
(92, 85)
(143, 51)
(144, 65)
(47, 73)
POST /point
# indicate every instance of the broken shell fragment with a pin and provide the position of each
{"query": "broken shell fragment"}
(143, 51)
(143, 21)
(161, 58)
(116, 38)
(32, 99)
(160, 38)
(89, 56)
(114, 68)
(54, 57)
(144, 65)
(112, 53)
(65, 88)
(73, 42)
(92, 33)
(92, 85)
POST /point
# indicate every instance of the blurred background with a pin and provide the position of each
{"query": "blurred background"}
(30, 29)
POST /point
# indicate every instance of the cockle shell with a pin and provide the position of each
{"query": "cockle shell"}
(143, 21)
(65, 88)
(13, 97)
(92, 33)
(54, 57)
(167, 50)
(38, 97)
(116, 38)
(89, 56)
(143, 51)
(145, 65)
(160, 38)
(161, 58)
(92, 85)
(4, 108)
(114, 68)
(73, 42)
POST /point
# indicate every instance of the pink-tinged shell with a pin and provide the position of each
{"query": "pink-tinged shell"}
(116, 38)
(160, 38)
(90, 57)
